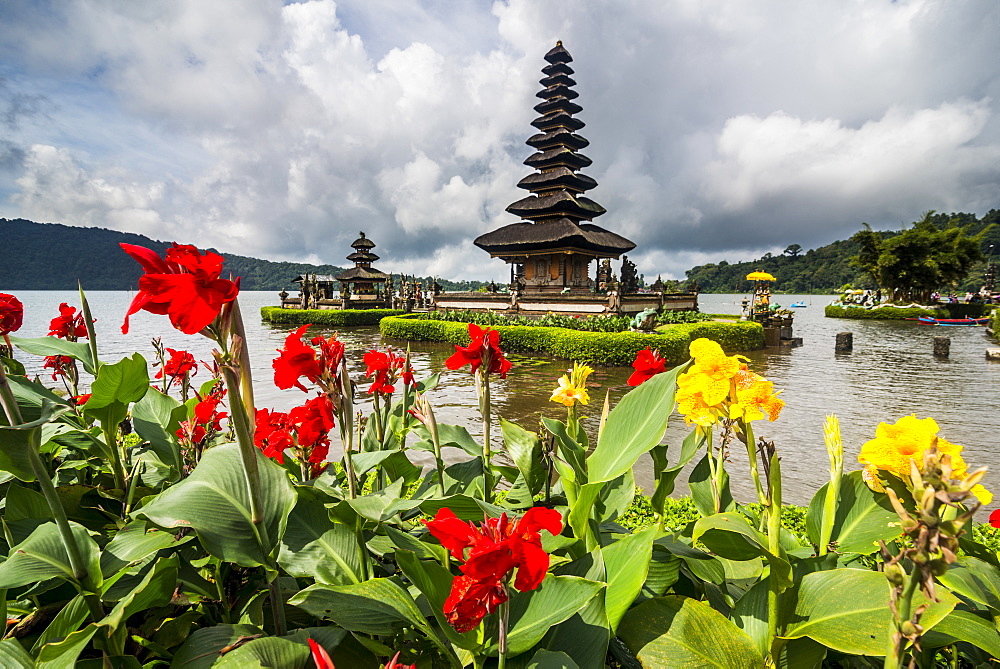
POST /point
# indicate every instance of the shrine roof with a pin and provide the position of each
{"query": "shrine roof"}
(362, 274)
(560, 233)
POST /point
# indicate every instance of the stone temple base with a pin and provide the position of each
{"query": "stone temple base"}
(539, 304)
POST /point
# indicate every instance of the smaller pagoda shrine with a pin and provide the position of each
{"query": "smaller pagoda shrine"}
(363, 286)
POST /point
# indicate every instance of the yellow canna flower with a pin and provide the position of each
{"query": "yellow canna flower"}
(755, 398)
(718, 385)
(895, 446)
(715, 368)
(572, 388)
(691, 403)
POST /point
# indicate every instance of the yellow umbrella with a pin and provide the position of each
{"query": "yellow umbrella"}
(760, 276)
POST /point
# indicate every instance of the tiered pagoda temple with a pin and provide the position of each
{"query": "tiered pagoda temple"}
(553, 247)
(551, 250)
(363, 286)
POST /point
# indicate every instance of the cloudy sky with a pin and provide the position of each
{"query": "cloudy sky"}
(718, 130)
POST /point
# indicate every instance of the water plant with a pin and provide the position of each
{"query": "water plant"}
(222, 533)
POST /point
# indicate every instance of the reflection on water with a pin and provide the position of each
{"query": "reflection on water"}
(890, 373)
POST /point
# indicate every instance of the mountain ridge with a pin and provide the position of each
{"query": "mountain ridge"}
(53, 256)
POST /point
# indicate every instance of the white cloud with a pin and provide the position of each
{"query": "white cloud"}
(280, 130)
(922, 153)
(54, 187)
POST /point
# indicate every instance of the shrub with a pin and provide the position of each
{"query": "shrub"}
(962, 310)
(335, 317)
(603, 348)
(882, 313)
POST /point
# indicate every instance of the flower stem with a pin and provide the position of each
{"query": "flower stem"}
(487, 452)
(747, 429)
(117, 466)
(248, 452)
(239, 335)
(502, 633)
(713, 469)
(896, 653)
(773, 547)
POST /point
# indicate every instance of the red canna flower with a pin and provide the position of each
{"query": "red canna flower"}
(995, 518)
(331, 353)
(59, 364)
(295, 360)
(394, 663)
(490, 552)
(648, 364)
(483, 350)
(271, 434)
(382, 366)
(312, 422)
(80, 399)
(184, 285)
(179, 365)
(306, 429)
(320, 657)
(11, 314)
(68, 324)
(206, 419)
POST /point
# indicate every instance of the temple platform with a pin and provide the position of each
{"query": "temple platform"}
(569, 305)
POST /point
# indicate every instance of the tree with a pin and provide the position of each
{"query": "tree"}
(921, 259)
(793, 250)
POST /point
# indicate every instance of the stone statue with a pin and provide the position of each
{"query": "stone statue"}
(630, 280)
(604, 275)
(614, 302)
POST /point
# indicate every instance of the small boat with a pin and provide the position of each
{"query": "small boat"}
(798, 305)
(930, 320)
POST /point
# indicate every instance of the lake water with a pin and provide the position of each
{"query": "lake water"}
(891, 373)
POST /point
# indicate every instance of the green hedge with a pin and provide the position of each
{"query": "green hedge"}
(882, 313)
(963, 310)
(959, 310)
(605, 348)
(336, 317)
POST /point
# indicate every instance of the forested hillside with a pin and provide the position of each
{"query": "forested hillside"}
(828, 268)
(51, 256)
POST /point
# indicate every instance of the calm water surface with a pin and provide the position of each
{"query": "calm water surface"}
(890, 373)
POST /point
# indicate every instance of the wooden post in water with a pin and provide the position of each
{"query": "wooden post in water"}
(942, 347)
(845, 342)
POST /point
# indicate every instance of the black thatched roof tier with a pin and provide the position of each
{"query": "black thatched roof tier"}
(556, 91)
(363, 242)
(562, 204)
(558, 104)
(558, 54)
(560, 177)
(558, 137)
(362, 256)
(557, 120)
(553, 235)
(560, 78)
(557, 68)
(559, 156)
(362, 274)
